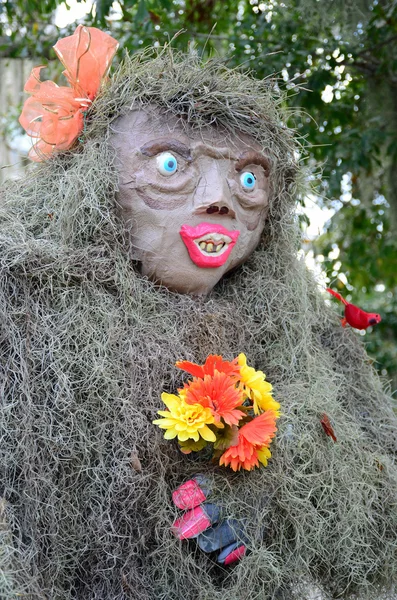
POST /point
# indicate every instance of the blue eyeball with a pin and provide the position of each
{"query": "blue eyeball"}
(248, 181)
(167, 163)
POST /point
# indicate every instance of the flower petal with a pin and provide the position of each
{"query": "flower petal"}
(214, 362)
(207, 434)
(260, 430)
(189, 367)
(263, 454)
(171, 401)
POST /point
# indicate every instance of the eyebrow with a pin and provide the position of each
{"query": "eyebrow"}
(250, 157)
(153, 148)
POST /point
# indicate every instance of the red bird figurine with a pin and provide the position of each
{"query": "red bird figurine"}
(356, 317)
(326, 424)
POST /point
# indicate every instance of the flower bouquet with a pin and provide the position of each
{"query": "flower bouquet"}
(227, 404)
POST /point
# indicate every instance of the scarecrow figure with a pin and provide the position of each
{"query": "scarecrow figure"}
(161, 228)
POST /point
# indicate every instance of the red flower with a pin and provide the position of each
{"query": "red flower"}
(219, 393)
(253, 440)
(213, 363)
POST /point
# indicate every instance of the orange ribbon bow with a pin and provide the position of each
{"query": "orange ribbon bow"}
(55, 114)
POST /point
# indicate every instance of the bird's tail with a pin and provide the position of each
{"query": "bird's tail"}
(338, 296)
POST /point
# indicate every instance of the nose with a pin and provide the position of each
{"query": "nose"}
(213, 194)
(214, 208)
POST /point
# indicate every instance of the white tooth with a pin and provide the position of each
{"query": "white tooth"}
(215, 236)
(202, 245)
(210, 247)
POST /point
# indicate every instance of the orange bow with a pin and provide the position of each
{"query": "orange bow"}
(55, 114)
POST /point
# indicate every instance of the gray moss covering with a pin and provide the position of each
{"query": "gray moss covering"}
(87, 346)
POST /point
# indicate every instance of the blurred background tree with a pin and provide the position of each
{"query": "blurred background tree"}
(337, 61)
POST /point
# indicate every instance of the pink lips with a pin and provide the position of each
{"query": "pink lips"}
(191, 237)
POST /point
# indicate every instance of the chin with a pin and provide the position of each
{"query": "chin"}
(193, 281)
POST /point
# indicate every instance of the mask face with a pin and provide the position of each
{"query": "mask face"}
(195, 202)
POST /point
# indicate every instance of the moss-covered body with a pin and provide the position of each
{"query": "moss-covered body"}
(87, 346)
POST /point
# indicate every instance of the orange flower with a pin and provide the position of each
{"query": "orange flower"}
(213, 363)
(253, 441)
(219, 393)
(54, 115)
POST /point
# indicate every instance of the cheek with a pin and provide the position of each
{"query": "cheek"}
(172, 195)
(253, 219)
(249, 238)
(150, 229)
(248, 243)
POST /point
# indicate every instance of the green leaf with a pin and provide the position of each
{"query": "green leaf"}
(142, 12)
(102, 9)
(191, 446)
(167, 4)
(226, 437)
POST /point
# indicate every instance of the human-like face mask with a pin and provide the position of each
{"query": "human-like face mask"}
(195, 202)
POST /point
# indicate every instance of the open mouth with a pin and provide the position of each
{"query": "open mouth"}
(209, 244)
(213, 243)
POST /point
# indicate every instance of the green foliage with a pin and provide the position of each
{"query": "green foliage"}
(368, 251)
(24, 27)
(226, 437)
(346, 49)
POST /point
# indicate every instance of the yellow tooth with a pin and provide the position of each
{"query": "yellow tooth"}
(219, 247)
(202, 245)
(210, 247)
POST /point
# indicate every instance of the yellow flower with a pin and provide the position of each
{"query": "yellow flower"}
(185, 421)
(263, 455)
(256, 388)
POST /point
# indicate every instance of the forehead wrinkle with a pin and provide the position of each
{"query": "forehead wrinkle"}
(202, 149)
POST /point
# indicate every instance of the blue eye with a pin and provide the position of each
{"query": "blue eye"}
(248, 180)
(167, 163)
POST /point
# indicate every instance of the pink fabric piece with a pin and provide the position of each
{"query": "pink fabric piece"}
(54, 115)
(188, 495)
(191, 524)
(235, 555)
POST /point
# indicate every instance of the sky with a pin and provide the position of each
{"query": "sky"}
(76, 11)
